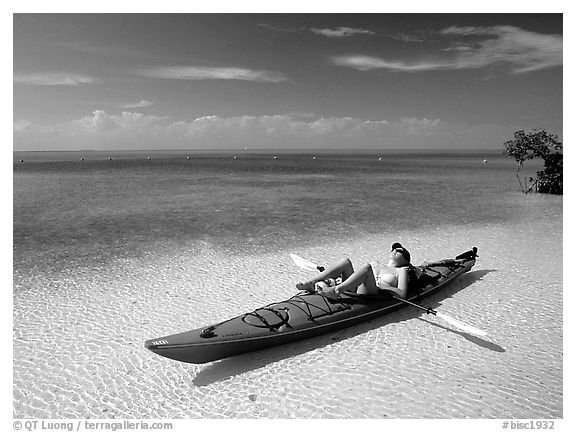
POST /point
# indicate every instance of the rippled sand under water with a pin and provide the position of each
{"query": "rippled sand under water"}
(78, 337)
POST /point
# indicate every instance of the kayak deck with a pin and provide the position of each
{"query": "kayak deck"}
(302, 316)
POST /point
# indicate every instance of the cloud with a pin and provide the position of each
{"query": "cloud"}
(341, 32)
(22, 125)
(420, 123)
(129, 130)
(284, 30)
(284, 126)
(54, 79)
(368, 63)
(99, 124)
(518, 50)
(408, 37)
(102, 123)
(525, 51)
(213, 73)
(142, 104)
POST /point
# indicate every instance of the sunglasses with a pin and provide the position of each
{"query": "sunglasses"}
(401, 251)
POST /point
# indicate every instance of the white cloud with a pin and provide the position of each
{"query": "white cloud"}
(404, 37)
(368, 63)
(341, 32)
(212, 73)
(54, 79)
(142, 104)
(22, 125)
(102, 124)
(520, 51)
(276, 126)
(279, 29)
(338, 32)
(424, 122)
(129, 130)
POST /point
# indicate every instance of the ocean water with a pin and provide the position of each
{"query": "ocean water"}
(78, 213)
(110, 253)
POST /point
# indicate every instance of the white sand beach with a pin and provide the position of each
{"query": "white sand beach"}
(78, 338)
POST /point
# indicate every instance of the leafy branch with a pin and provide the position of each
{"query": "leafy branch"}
(538, 144)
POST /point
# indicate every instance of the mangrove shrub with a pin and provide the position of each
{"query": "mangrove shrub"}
(543, 145)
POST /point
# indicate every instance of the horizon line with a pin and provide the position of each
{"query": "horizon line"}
(270, 150)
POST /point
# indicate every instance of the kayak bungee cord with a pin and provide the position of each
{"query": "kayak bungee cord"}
(295, 301)
(308, 265)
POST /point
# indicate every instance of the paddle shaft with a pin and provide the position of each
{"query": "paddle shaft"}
(427, 309)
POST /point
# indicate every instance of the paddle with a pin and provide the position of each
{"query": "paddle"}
(308, 265)
(305, 264)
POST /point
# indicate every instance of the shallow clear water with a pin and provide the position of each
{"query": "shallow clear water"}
(74, 213)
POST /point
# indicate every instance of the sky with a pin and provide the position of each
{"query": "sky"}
(284, 81)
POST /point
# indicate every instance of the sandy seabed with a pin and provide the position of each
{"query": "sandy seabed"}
(79, 337)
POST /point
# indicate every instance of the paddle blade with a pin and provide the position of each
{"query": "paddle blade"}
(461, 325)
(303, 263)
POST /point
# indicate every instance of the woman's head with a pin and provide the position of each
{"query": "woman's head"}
(399, 255)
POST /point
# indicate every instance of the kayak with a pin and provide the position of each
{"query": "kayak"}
(304, 315)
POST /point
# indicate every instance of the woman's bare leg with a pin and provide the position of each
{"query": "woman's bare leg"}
(362, 281)
(344, 269)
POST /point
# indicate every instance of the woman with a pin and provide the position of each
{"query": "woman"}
(393, 277)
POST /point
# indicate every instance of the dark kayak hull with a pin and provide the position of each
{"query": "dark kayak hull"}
(300, 317)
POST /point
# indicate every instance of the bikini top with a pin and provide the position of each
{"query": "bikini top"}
(388, 276)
